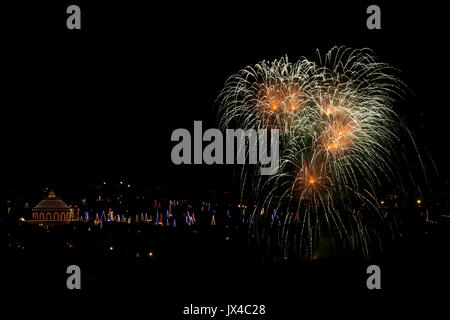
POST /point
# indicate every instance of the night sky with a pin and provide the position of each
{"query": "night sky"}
(81, 105)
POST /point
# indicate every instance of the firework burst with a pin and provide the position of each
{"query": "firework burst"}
(338, 132)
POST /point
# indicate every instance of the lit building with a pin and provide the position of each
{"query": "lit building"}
(53, 211)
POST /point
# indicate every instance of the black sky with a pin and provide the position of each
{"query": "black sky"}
(103, 101)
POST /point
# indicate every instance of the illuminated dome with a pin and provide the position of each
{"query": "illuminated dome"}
(52, 210)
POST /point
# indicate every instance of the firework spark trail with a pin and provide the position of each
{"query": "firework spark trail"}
(338, 130)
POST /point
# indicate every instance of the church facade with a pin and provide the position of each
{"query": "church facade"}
(53, 211)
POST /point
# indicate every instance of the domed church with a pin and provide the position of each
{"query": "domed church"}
(53, 211)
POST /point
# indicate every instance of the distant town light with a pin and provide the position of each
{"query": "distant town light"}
(419, 201)
(382, 202)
